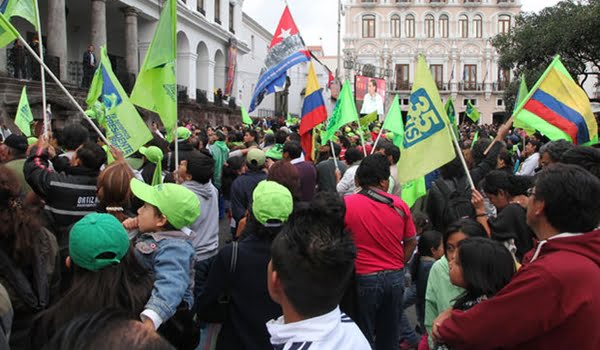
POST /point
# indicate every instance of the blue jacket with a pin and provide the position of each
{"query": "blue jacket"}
(170, 256)
(241, 192)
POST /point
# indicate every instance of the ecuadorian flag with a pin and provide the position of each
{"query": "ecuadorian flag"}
(313, 110)
(559, 108)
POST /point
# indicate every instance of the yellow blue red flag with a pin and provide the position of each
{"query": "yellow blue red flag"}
(559, 108)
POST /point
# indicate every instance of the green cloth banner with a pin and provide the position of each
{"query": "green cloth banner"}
(125, 129)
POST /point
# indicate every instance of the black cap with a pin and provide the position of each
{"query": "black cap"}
(17, 142)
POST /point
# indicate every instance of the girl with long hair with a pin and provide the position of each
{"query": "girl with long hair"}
(482, 267)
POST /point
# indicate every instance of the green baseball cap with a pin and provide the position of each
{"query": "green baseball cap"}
(183, 133)
(152, 153)
(180, 205)
(275, 152)
(271, 202)
(389, 135)
(97, 241)
(255, 155)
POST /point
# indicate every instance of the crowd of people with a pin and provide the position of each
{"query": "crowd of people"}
(100, 251)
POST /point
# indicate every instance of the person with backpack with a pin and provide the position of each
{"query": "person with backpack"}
(383, 231)
(449, 198)
(237, 278)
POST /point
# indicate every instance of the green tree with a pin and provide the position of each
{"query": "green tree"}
(570, 29)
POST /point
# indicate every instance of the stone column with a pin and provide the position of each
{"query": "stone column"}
(57, 38)
(131, 40)
(98, 25)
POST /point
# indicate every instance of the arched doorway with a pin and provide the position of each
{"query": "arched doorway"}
(219, 72)
(183, 50)
(202, 68)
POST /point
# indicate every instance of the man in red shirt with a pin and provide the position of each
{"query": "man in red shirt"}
(552, 302)
(384, 234)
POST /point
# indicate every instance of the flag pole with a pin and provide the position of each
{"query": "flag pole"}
(377, 140)
(462, 159)
(62, 87)
(176, 151)
(334, 156)
(42, 75)
(508, 122)
(362, 140)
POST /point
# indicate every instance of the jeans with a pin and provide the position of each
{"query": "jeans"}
(379, 305)
(407, 332)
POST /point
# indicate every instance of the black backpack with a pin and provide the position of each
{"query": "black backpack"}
(457, 202)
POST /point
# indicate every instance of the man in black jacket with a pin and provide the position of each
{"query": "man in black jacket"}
(69, 195)
(89, 66)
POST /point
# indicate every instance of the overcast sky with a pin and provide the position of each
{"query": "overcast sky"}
(317, 19)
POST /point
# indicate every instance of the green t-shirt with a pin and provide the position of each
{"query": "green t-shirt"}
(440, 294)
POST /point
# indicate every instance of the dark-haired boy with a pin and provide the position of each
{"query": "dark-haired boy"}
(195, 173)
(309, 269)
(69, 195)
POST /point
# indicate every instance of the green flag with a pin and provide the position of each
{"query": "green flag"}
(472, 112)
(521, 94)
(125, 129)
(393, 122)
(427, 143)
(475, 138)
(245, 117)
(343, 113)
(367, 119)
(413, 190)
(26, 9)
(451, 112)
(8, 33)
(24, 116)
(156, 85)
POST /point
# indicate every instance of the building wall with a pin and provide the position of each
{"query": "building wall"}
(387, 50)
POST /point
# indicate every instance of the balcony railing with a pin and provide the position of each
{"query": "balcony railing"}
(182, 95)
(470, 86)
(403, 86)
(499, 85)
(403, 2)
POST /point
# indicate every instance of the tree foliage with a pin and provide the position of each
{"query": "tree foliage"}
(569, 29)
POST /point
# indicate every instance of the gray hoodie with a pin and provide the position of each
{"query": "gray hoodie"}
(205, 231)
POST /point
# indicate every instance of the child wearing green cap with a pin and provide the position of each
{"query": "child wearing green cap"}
(163, 246)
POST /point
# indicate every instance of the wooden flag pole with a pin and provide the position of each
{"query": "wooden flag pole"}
(334, 156)
(377, 140)
(462, 159)
(508, 122)
(47, 126)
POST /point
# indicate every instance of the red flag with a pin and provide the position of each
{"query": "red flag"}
(286, 28)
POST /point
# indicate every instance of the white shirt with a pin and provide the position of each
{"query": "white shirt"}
(347, 185)
(333, 330)
(529, 165)
(371, 104)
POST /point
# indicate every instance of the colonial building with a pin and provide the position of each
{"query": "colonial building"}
(209, 43)
(384, 38)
